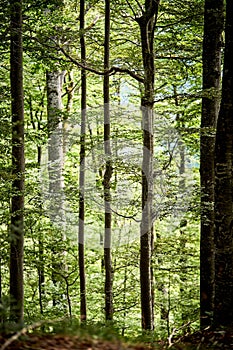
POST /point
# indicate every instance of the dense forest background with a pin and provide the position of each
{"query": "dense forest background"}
(116, 201)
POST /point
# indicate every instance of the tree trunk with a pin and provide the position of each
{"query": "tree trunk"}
(83, 312)
(55, 163)
(41, 273)
(107, 174)
(147, 24)
(18, 165)
(223, 303)
(213, 27)
(55, 147)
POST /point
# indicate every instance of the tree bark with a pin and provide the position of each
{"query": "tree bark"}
(108, 173)
(18, 165)
(55, 147)
(147, 24)
(223, 302)
(83, 311)
(212, 43)
(55, 163)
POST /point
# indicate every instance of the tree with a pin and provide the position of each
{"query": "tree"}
(107, 173)
(147, 23)
(83, 311)
(223, 301)
(18, 165)
(55, 162)
(212, 44)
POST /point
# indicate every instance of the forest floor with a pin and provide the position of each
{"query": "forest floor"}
(199, 341)
(63, 342)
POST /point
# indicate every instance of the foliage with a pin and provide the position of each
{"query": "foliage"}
(48, 27)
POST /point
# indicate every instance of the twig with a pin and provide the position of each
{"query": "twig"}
(24, 331)
(174, 331)
(125, 217)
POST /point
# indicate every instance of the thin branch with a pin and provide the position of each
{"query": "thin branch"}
(71, 90)
(131, 8)
(125, 216)
(175, 330)
(139, 5)
(196, 96)
(113, 70)
(25, 330)
(93, 23)
(126, 308)
(181, 58)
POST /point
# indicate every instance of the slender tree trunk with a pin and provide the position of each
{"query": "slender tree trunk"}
(55, 147)
(41, 267)
(70, 88)
(183, 224)
(223, 302)
(18, 165)
(213, 27)
(41, 275)
(83, 311)
(55, 163)
(107, 174)
(147, 24)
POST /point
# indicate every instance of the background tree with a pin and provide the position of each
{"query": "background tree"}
(55, 165)
(108, 172)
(83, 311)
(147, 23)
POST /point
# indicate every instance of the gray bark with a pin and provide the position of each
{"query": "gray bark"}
(55, 166)
(55, 146)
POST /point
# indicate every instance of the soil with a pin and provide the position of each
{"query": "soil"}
(198, 341)
(63, 342)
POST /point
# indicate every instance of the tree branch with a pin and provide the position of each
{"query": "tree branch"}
(113, 70)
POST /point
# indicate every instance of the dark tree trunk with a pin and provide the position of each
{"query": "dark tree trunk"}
(223, 302)
(213, 27)
(107, 174)
(18, 165)
(147, 24)
(83, 312)
(41, 274)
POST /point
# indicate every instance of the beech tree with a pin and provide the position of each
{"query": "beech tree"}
(147, 23)
(18, 165)
(55, 164)
(212, 45)
(81, 237)
(223, 301)
(108, 172)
